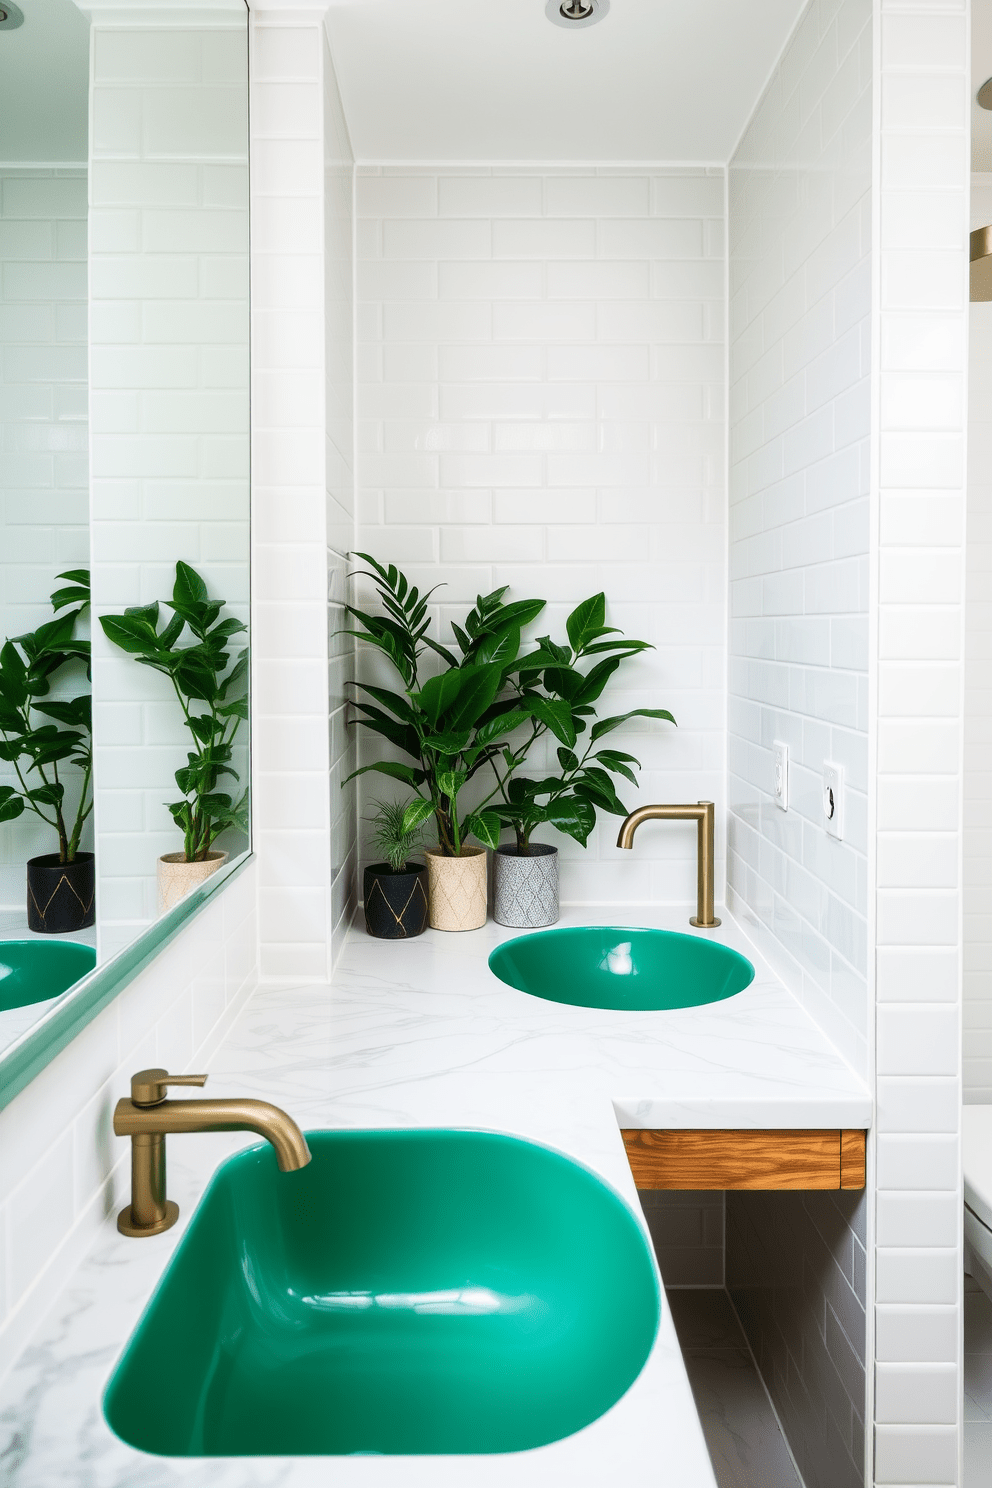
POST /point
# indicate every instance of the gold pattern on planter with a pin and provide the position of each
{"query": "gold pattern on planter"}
(457, 889)
(377, 903)
(176, 877)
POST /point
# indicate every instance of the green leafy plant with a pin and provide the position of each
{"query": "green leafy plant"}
(561, 698)
(29, 664)
(391, 839)
(461, 720)
(211, 685)
(450, 724)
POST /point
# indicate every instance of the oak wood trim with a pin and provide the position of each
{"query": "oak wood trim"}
(744, 1159)
(852, 1159)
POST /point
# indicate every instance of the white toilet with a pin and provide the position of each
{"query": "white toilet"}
(977, 1132)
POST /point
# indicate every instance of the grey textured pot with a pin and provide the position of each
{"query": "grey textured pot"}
(525, 889)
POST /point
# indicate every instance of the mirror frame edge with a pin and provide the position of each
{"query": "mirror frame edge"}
(69, 1015)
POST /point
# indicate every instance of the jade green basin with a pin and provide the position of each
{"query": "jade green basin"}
(623, 968)
(35, 970)
(407, 1292)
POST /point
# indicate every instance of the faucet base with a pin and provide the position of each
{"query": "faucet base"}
(703, 924)
(127, 1226)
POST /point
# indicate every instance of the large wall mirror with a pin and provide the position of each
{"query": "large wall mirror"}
(124, 487)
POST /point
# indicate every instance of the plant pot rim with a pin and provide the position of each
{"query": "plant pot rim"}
(51, 860)
(466, 852)
(383, 870)
(179, 857)
(537, 850)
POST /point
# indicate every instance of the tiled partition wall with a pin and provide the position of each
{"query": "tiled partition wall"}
(44, 476)
(977, 860)
(303, 492)
(540, 401)
(800, 304)
(169, 407)
(923, 79)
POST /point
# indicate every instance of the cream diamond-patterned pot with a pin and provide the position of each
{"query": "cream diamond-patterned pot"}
(456, 889)
(525, 887)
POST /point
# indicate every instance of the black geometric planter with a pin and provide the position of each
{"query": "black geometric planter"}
(395, 903)
(61, 896)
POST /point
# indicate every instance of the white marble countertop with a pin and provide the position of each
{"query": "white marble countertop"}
(420, 1034)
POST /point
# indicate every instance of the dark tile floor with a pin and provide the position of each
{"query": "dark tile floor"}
(745, 1444)
(977, 1386)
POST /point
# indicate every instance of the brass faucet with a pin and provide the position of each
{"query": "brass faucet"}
(147, 1117)
(703, 814)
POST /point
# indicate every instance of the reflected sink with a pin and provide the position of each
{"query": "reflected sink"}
(621, 968)
(34, 970)
(407, 1292)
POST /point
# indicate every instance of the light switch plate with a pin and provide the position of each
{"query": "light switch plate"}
(833, 799)
(781, 782)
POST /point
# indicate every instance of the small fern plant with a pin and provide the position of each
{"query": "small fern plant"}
(390, 839)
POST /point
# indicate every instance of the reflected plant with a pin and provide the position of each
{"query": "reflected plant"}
(29, 665)
(211, 686)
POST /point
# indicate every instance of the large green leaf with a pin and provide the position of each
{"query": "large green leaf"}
(132, 633)
(572, 816)
(501, 646)
(450, 782)
(11, 804)
(556, 715)
(596, 680)
(607, 725)
(504, 723)
(438, 695)
(619, 763)
(447, 743)
(393, 769)
(586, 621)
(189, 588)
(418, 811)
(76, 713)
(401, 734)
(485, 825)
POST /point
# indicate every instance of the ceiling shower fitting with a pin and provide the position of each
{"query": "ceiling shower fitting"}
(571, 14)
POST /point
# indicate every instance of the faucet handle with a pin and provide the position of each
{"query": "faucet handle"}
(148, 1085)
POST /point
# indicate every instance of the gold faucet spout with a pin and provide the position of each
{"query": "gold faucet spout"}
(703, 813)
(147, 1118)
(258, 1116)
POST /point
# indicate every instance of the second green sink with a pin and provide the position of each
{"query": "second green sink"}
(407, 1292)
(623, 968)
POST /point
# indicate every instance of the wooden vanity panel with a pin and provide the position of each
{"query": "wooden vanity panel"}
(745, 1159)
(852, 1159)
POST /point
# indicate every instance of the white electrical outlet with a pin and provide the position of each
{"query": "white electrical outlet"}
(833, 800)
(781, 775)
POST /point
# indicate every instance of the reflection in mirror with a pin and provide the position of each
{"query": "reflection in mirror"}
(124, 337)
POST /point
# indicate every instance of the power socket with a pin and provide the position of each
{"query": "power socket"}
(833, 800)
(781, 783)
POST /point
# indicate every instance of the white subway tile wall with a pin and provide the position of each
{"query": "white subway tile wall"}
(922, 72)
(540, 401)
(44, 475)
(169, 407)
(303, 497)
(62, 1171)
(977, 864)
(800, 402)
(800, 303)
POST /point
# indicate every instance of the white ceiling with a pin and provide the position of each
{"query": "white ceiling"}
(44, 77)
(495, 80)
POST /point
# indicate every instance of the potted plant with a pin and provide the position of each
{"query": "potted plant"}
(395, 890)
(211, 686)
(60, 885)
(449, 724)
(525, 873)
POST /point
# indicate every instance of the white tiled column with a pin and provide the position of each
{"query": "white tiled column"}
(921, 290)
(292, 809)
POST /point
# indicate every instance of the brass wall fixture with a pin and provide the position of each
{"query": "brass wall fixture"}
(980, 287)
(148, 1117)
(704, 815)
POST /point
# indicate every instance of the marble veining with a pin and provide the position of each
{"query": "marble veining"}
(422, 1034)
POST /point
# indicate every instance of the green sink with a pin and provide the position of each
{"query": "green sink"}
(609, 966)
(407, 1292)
(35, 970)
